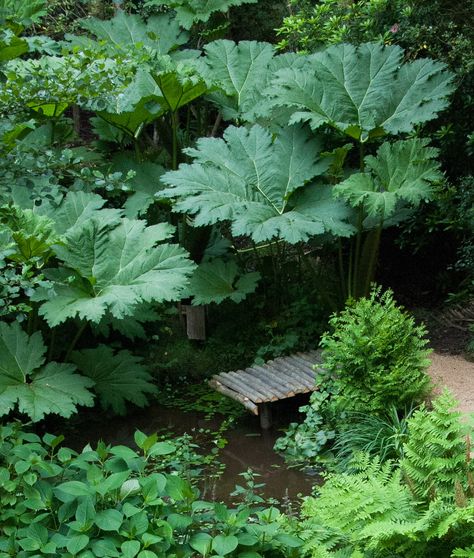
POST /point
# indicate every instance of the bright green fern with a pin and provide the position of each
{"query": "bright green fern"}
(435, 460)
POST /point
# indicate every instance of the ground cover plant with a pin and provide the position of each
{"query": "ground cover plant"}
(115, 501)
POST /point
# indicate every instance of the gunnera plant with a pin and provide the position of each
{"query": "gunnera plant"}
(377, 354)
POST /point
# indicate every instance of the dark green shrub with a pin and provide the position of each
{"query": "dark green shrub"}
(377, 354)
(374, 360)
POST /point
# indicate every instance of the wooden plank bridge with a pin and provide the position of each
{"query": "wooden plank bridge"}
(258, 386)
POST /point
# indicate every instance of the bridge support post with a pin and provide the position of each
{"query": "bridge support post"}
(265, 413)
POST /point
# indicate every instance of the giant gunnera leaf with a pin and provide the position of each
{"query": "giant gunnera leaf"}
(118, 377)
(364, 91)
(111, 267)
(160, 33)
(400, 172)
(189, 12)
(36, 388)
(254, 180)
(241, 71)
(218, 280)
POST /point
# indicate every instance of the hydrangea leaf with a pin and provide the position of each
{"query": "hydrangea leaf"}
(401, 171)
(248, 178)
(189, 12)
(36, 388)
(118, 377)
(218, 280)
(111, 267)
(161, 33)
(364, 91)
(241, 72)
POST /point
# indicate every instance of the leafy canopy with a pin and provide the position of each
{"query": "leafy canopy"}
(364, 91)
(189, 12)
(112, 266)
(37, 388)
(249, 178)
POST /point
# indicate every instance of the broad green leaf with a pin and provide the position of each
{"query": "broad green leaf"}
(109, 520)
(32, 235)
(364, 91)
(76, 209)
(401, 171)
(20, 354)
(118, 378)
(36, 388)
(22, 11)
(249, 178)
(224, 544)
(242, 71)
(217, 280)
(165, 89)
(161, 448)
(201, 542)
(160, 33)
(76, 488)
(77, 543)
(111, 268)
(189, 12)
(105, 548)
(130, 549)
(55, 389)
(130, 123)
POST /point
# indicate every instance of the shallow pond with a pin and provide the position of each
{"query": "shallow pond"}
(248, 446)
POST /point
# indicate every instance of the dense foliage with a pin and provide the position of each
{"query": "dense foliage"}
(438, 29)
(374, 359)
(421, 506)
(114, 501)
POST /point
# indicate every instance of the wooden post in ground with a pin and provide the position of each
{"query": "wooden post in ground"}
(265, 413)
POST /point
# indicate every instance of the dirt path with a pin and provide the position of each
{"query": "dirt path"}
(456, 373)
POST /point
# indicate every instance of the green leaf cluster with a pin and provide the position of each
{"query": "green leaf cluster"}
(256, 181)
(190, 12)
(115, 501)
(393, 509)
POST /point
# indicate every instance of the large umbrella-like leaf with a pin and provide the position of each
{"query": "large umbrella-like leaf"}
(249, 178)
(160, 33)
(364, 91)
(118, 377)
(242, 71)
(37, 388)
(111, 267)
(400, 172)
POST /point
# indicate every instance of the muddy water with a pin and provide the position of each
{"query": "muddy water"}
(248, 446)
